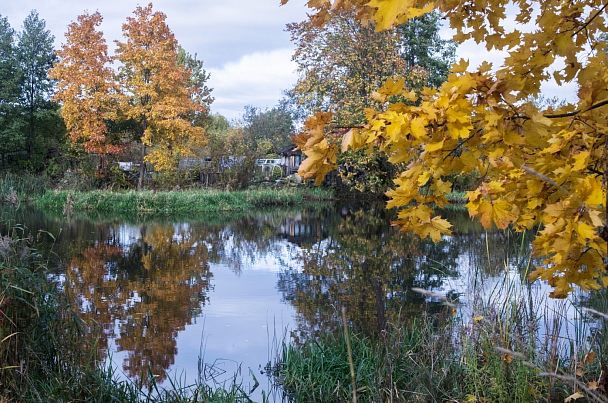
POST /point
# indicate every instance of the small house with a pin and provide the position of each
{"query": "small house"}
(291, 158)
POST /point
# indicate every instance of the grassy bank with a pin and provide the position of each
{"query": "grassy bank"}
(179, 202)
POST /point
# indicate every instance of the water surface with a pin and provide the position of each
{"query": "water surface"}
(210, 297)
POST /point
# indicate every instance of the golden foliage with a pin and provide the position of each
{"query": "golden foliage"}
(86, 85)
(156, 93)
(540, 167)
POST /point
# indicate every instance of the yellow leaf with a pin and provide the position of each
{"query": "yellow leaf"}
(431, 147)
(441, 187)
(596, 220)
(512, 138)
(477, 318)
(499, 212)
(439, 226)
(591, 191)
(424, 178)
(352, 140)
(460, 67)
(574, 396)
(585, 231)
(580, 161)
(417, 128)
(589, 357)
(376, 96)
(388, 11)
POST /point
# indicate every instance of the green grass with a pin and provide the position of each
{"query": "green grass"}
(426, 362)
(400, 367)
(178, 202)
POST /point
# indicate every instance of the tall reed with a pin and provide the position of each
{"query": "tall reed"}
(505, 342)
(23, 187)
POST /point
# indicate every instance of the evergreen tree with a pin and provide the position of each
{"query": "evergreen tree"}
(35, 56)
(11, 138)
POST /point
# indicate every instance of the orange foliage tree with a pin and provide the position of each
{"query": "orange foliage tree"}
(86, 86)
(541, 167)
(157, 97)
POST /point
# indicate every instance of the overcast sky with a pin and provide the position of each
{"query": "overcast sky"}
(243, 43)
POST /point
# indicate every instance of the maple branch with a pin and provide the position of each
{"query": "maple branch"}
(586, 24)
(459, 146)
(551, 182)
(569, 114)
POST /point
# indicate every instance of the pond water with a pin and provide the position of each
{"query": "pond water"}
(212, 297)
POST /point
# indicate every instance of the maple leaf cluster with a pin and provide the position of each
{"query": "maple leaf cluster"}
(542, 169)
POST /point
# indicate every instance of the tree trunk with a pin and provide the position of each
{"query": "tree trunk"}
(142, 165)
(142, 168)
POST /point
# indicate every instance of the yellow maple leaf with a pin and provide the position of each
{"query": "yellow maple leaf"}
(394, 12)
(574, 396)
(499, 212)
(431, 147)
(352, 140)
(439, 227)
(580, 161)
(388, 11)
(591, 191)
(460, 67)
(585, 231)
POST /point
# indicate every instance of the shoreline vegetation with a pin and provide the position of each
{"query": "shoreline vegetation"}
(166, 203)
(38, 191)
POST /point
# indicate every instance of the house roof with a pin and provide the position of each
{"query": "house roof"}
(291, 150)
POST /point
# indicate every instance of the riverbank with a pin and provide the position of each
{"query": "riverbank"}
(179, 202)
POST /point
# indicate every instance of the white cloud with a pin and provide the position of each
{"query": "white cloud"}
(257, 79)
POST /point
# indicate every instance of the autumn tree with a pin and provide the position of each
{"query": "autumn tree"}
(157, 95)
(268, 131)
(86, 87)
(341, 63)
(200, 93)
(541, 166)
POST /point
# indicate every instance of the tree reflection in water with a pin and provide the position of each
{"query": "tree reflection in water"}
(365, 265)
(143, 289)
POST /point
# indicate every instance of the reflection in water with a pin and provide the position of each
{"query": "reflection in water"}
(146, 283)
(144, 286)
(364, 264)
